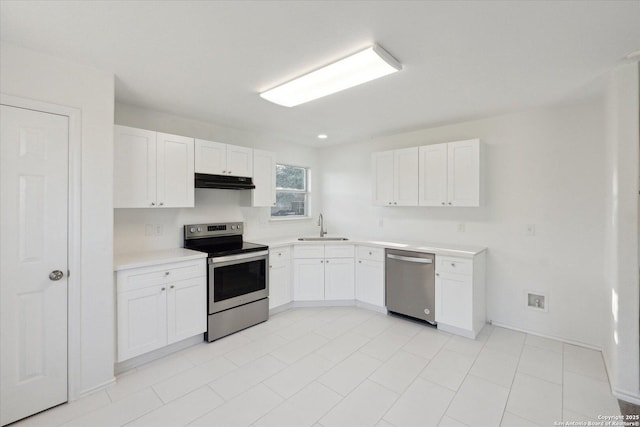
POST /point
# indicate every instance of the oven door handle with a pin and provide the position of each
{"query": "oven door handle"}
(239, 257)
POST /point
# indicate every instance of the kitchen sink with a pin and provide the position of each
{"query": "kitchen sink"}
(321, 239)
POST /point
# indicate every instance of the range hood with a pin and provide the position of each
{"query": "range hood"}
(224, 182)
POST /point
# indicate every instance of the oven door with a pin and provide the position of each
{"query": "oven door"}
(237, 279)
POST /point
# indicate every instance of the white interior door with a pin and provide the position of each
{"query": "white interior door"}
(33, 261)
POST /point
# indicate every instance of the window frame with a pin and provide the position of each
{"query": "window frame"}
(306, 192)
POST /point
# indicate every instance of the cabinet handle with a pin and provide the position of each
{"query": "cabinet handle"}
(161, 203)
(321, 261)
(229, 172)
(449, 203)
(395, 203)
(166, 273)
(359, 262)
(163, 289)
(453, 264)
(389, 202)
(443, 203)
(224, 171)
(153, 203)
(172, 286)
(279, 253)
(270, 266)
(438, 274)
(370, 253)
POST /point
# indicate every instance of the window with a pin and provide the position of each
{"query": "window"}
(292, 192)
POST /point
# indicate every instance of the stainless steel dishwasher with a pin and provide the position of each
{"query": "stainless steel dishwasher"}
(410, 284)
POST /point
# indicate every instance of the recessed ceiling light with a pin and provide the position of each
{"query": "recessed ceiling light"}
(361, 67)
(322, 136)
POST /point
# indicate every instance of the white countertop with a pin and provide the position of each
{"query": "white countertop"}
(145, 259)
(442, 249)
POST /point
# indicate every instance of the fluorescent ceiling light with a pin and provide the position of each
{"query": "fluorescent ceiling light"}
(323, 136)
(366, 65)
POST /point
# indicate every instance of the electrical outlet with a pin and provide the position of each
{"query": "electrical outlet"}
(148, 230)
(530, 230)
(159, 229)
(461, 228)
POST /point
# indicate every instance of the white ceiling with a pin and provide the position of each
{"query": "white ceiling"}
(207, 60)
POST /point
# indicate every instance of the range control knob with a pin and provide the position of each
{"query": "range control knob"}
(192, 229)
(199, 229)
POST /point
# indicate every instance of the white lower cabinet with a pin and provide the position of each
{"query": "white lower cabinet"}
(308, 279)
(339, 276)
(370, 275)
(323, 272)
(279, 276)
(460, 295)
(160, 305)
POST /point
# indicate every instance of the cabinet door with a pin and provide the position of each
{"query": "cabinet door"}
(175, 176)
(264, 178)
(454, 300)
(186, 309)
(382, 171)
(210, 157)
(433, 175)
(464, 173)
(239, 161)
(339, 279)
(134, 168)
(279, 283)
(370, 282)
(308, 275)
(142, 321)
(405, 165)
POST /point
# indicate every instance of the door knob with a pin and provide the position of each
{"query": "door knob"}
(56, 275)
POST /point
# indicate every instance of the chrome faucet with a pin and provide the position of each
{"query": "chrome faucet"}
(321, 224)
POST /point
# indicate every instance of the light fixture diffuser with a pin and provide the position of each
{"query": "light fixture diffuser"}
(361, 67)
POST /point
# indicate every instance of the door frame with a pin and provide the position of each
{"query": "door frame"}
(74, 230)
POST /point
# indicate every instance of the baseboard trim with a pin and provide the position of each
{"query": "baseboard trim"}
(331, 303)
(132, 363)
(280, 308)
(627, 397)
(93, 390)
(551, 337)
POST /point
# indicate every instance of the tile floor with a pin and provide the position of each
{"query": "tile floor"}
(345, 366)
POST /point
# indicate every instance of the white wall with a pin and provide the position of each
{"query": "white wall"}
(622, 353)
(40, 77)
(210, 205)
(542, 167)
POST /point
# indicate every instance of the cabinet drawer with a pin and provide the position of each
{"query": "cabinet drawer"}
(370, 253)
(339, 251)
(139, 278)
(454, 265)
(308, 251)
(278, 254)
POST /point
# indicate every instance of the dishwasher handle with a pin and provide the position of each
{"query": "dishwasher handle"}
(410, 259)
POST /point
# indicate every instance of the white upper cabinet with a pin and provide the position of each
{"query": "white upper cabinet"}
(152, 169)
(216, 158)
(175, 186)
(450, 174)
(405, 183)
(383, 178)
(433, 175)
(464, 173)
(264, 178)
(395, 177)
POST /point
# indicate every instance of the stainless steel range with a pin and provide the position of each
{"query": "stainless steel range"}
(238, 279)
